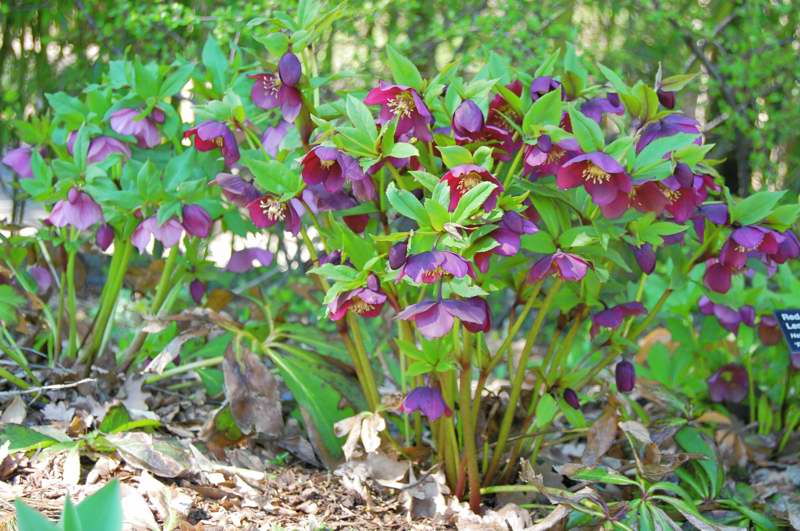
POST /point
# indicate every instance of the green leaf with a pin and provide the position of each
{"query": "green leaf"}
(29, 519)
(102, 511)
(455, 155)
(428, 180)
(546, 410)
(691, 440)
(176, 80)
(755, 207)
(546, 110)
(602, 475)
(22, 438)
(407, 204)
(70, 521)
(402, 150)
(619, 85)
(403, 70)
(472, 201)
(115, 417)
(335, 272)
(215, 61)
(539, 242)
(587, 132)
(655, 150)
(677, 82)
(361, 118)
(276, 43)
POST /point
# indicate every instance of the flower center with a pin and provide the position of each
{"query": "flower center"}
(555, 155)
(326, 163)
(402, 105)
(469, 181)
(671, 195)
(595, 174)
(727, 377)
(271, 84)
(272, 209)
(741, 249)
(219, 141)
(359, 306)
(432, 275)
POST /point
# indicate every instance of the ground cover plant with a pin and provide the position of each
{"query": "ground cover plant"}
(510, 297)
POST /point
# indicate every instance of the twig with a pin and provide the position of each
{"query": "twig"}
(54, 387)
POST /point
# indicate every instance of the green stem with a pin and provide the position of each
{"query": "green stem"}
(512, 332)
(512, 169)
(636, 332)
(180, 369)
(465, 416)
(370, 388)
(72, 310)
(60, 317)
(519, 377)
(9, 376)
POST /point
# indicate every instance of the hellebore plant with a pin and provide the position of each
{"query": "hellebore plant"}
(435, 235)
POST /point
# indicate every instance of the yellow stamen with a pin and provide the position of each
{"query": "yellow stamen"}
(469, 181)
(272, 209)
(326, 163)
(595, 174)
(402, 105)
(360, 307)
(555, 155)
(219, 141)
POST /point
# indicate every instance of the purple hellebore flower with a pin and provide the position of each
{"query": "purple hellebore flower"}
(625, 376)
(571, 398)
(668, 126)
(211, 135)
(280, 89)
(334, 257)
(746, 240)
(435, 318)
(42, 277)
(429, 267)
(197, 289)
(595, 108)
(507, 235)
(748, 315)
(498, 130)
(788, 249)
(145, 130)
(100, 148)
(613, 317)
(467, 122)
(405, 103)
(728, 384)
(546, 158)
(242, 261)
(168, 233)
(645, 257)
(236, 189)
(484, 326)
(728, 317)
(196, 221)
(426, 400)
(716, 213)
(78, 210)
(273, 136)
(104, 236)
(544, 84)
(330, 167)
(398, 254)
(769, 331)
(268, 210)
(464, 178)
(602, 177)
(682, 199)
(718, 276)
(567, 266)
(19, 160)
(365, 301)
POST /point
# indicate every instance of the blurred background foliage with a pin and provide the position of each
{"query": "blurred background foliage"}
(746, 53)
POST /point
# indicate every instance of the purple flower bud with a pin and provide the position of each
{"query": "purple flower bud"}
(19, 160)
(42, 277)
(571, 398)
(426, 400)
(625, 375)
(645, 257)
(728, 384)
(397, 255)
(289, 69)
(768, 331)
(104, 236)
(197, 289)
(666, 98)
(196, 221)
(748, 315)
(334, 257)
(542, 85)
(467, 120)
(242, 261)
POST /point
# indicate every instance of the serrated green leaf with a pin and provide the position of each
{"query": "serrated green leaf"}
(455, 156)
(755, 207)
(472, 201)
(403, 70)
(406, 204)
(587, 132)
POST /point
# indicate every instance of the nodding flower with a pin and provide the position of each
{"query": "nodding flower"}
(566, 266)
(602, 177)
(366, 301)
(426, 400)
(78, 210)
(127, 122)
(279, 89)
(405, 104)
(430, 267)
(728, 384)
(435, 318)
(212, 134)
(461, 179)
(268, 210)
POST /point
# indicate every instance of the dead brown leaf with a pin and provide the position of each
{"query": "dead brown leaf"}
(253, 394)
(162, 457)
(601, 435)
(15, 412)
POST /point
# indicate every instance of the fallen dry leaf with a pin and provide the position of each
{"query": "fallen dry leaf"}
(549, 522)
(636, 430)
(135, 511)
(173, 348)
(510, 517)
(366, 427)
(253, 394)
(163, 457)
(72, 467)
(15, 412)
(601, 435)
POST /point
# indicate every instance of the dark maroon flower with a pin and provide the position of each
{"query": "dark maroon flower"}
(507, 235)
(104, 236)
(645, 257)
(78, 210)
(668, 126)
(666, 98)
(498, 131)
(145, 130)
(769, 331)
(196, 221)
(405, 103)
(236, 189)
(467, 122)
(567, 266)
(571, 398)
(544, 84)
(273, 136)
(602, 177)
(397, 255)
(546, 158)
(716, 213)
(648, 196)
(728, 317)
(168, 233)
(19, 160)
(682, 200)
(268, 210)
(486, 324)
(435, 318)
(613, 317)
(464, 178)
(212, 135)
(625, 375)
(242, 261)
(330, 167)
(595, 108)
(42, 277)
(728, 384)
(426, 400)
(428, 268)
(357, 222)
(279, 89)
(366, 301)
(334, 257)
(747, 240)
(788, 249)
(197, 289)
(718, 276)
